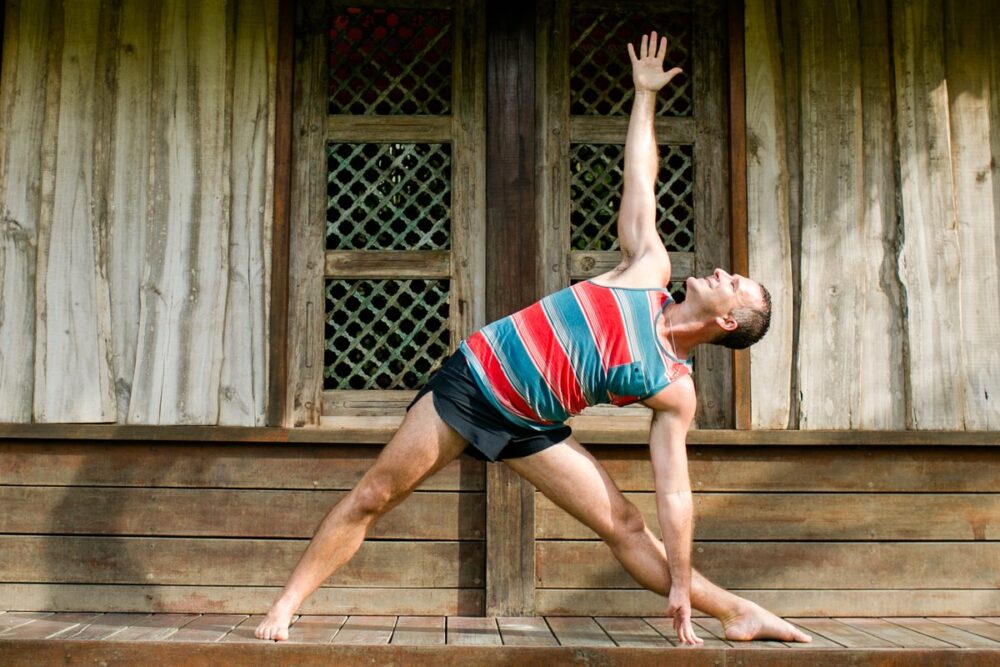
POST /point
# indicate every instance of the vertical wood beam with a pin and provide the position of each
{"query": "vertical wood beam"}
(278, 324)
(740, 257)
(512, 256)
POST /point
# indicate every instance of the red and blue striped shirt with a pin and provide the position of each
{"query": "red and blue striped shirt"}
(581, 346)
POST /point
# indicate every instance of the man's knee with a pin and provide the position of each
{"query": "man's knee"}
(626, 522)
(373, 497)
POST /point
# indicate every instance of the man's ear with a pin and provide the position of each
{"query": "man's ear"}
(727, 322)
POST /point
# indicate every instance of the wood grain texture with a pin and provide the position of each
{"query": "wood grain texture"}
(26, 38)
(306, 312)
(240, 599)
(930, 258)
(253, 54)
(183, 293)
(713, 365)
(810, 516)
(794, 565)
(967, 44)
(222, 562)
(130, 210)
(832, 180)
(388, 264)
(769, 245)
(473, 631)
(882, 390)
(426, 515)
(73, 378)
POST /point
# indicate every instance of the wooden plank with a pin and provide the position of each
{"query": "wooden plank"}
(967, 44)
(190, 465)
(27, 38)
(467, 289)
(807, 516)
(879, 308)
(388, 129)
(315, 629)
(591, 263)
(611, 130)
(365, 630)
(929, 260)
(154, 628)
(631, 632)
(946, 633)
(196, 513)
(512, 257)
(525, 631)
(784, 602)
(473, 631)
(842, 633)
(801, 565)
(893, 633)
(15, 619)
(208, 628)
(49, 627)
(973, 625)
(284, 83)
(308, 213)
(222, 562)
(739, 237)
(769, 245)
(73, 379)
(369, 402)
(832, 253)
(182, 297)
(103, 627)
(128, 216)
(767, 469)
(419, 631)
(243, 391)
(818, 641)
(388, 264)
(578, 631)
(712, 208)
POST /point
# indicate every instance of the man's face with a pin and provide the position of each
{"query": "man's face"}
(718, 294)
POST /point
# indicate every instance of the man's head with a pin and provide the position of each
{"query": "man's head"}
(738, 307)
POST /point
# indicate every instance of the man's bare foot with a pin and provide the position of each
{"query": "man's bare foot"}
(754, 622)
(275, 626)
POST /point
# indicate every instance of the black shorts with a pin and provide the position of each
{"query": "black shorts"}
(491, 436)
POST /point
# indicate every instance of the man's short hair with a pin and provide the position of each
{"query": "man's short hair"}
(751, 324)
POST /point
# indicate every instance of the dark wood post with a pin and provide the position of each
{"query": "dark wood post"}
(511, 269)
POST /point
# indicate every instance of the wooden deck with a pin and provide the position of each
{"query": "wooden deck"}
(33, 638)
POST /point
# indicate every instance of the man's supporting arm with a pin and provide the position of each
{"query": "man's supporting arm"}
(672, 416)
(637, 233)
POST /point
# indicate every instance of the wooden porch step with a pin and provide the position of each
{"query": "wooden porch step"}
(33, 638)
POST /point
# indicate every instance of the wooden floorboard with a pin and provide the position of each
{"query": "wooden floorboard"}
(525, 631)
(420, 631)
(579, 631)
(315, 629)
(208, 628)
(472, 631)
(947, 633)
(632, 632)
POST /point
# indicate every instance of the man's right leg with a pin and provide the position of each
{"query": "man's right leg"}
(575, 481)
(423, 445)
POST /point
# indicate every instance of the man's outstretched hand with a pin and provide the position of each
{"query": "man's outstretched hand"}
(647, 67)
(679, 607)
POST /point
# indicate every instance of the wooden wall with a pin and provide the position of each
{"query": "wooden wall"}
(874, 212)
(137, 525)
(136, 157)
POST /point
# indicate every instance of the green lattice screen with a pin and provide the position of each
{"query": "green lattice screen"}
(595, 193)
(390, 61)
(388, 197)
(600, 71)
(384, 334)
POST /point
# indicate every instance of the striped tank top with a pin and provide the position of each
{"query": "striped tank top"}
(581, 346)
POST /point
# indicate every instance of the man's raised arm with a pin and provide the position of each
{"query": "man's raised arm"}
(637, 233)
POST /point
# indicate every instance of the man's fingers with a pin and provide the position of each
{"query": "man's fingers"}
(644, 47)
(631, 53)
(661, 53)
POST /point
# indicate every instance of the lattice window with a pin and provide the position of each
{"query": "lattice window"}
(595, 193)
(388, 197)
(384, 334)
(601, 78)
(390, 61)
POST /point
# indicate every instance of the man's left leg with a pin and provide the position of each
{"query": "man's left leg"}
(575, 481)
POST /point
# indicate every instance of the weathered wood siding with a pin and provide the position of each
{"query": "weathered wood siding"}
(135, 191)
(861, 106)
(819, 531)
(180, 526)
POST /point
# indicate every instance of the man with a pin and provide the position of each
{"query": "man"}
(504, 395)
